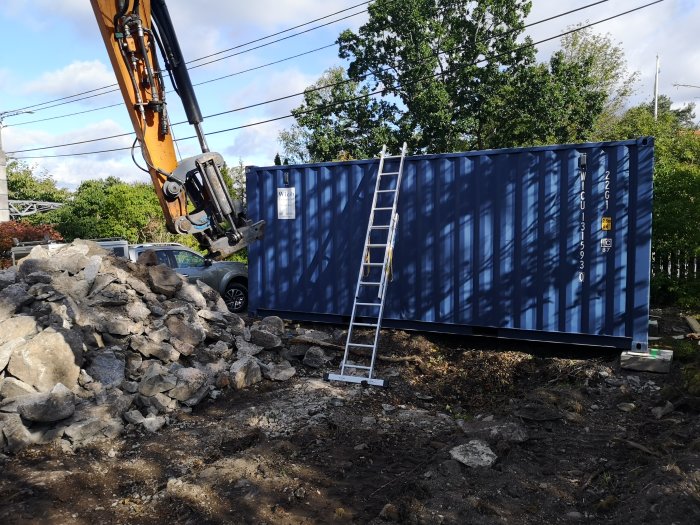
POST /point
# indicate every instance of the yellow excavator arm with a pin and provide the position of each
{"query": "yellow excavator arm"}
(139, 35)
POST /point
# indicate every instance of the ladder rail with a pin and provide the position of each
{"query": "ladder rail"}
(364, 256)
(381, 295)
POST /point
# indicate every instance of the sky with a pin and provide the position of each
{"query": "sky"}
(52, 49)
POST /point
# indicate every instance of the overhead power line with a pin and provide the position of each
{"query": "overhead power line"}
(310, 90)
(374, 93)
(260, 67)
(36, 107)
(236, 73)
(285, 31)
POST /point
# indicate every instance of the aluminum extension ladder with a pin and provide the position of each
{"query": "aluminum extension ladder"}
(374, 275)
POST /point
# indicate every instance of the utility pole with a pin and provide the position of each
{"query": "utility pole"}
(4, 197)
(656, 90)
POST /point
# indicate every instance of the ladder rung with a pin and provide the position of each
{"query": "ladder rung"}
(361, 345)
(383, 209)
(380, 227)
(376, 245)
(372, 264)
(361, 367)
(365, 324)
(385, 191)
(370, 283)
(389, 173)
(368, 304)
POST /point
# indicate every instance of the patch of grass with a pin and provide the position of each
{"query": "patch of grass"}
(685, 350)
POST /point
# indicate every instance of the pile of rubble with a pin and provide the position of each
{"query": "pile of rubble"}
(90, 344)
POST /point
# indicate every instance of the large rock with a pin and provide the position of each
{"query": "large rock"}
(8, 276)
(7, 349)
(474, 454)
(12, 299)
(212, 297)
(37, 261)
(279, 371)
(153, 423)
(71, 286)
(48, 407)
(137, 311)
(11, 387)
(315, 357)
(71, 258)
(118, 325)
(189, 332)
(107, 368)
(164, 280)
(92, 269)
(44, 361)
(17, 326)
(273, 324)
(245, 372)
(189, 381)
(87, 429)
(245, 348)
(156, 380)
(264, 338)
(191, 294)
(16, 434)
(219, 350)
(148, 348)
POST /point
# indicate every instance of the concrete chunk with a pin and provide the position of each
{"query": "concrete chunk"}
(476, 453)
(656, 360)
(16, 434)
(47, 408)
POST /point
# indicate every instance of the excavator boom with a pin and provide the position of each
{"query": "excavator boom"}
(191, 192)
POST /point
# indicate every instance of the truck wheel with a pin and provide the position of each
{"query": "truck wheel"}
(236, 297)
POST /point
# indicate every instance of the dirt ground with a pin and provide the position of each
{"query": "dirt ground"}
(308, 451)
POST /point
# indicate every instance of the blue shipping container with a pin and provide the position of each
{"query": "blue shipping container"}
(548, 243)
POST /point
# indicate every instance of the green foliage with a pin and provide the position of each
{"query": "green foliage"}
(234, 178)
(24, 184)
(554, 104)
(327, 130)
(429, 54)
(676, 173)
(456, 76)
(676, 190)
(685, 350)
(608, 71)
(109, 208)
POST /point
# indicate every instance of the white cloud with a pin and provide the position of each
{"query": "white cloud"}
(667, 28)
(74, 78)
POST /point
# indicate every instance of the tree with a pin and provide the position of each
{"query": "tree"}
(546, 104)
(23, 183)
(676, 189)
(447, 63)
(278, 160)
(235, 181)
(338, 121)
(608, 71)
(108, 208)
(294, 142)
(23, 232)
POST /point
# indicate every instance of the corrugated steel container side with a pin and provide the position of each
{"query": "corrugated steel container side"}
(548, 243)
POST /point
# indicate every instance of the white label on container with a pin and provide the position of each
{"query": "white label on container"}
(286, 203)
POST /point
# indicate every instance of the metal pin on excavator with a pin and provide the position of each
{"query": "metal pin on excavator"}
(192, 192)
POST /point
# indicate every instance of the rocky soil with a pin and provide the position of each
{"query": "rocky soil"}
(164, 407)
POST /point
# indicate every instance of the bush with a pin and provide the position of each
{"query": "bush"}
(23, 232)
